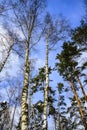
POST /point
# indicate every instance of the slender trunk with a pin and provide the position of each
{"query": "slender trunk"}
(6, 58)
(34, 118)
(79, 105)
(24, 105)
(45, 123)
(13, 117)
(59, 124)
(29, 108)
(54, 121)
(85, 96)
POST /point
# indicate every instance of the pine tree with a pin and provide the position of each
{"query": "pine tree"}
(66, 67)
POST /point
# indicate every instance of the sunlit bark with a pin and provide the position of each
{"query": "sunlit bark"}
(79, 105)
(24, 118)
(85, 96)
(45, 124)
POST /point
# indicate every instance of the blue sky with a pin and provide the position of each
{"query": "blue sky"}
(73, 10)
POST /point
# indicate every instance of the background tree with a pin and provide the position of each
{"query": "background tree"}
(66, 67)
(38, 85)
(4, 116)
(52, 33)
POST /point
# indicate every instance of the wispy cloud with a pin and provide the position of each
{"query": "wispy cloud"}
(12, 67)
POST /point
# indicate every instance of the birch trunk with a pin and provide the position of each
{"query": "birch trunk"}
(79, 105)
(24, 118)
(6, 58)
(45, 123)
(24, 105)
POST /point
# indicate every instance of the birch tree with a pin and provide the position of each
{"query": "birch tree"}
(54, 32)
(6, 40)
(26, 16)
(49, 28)
(38, 84)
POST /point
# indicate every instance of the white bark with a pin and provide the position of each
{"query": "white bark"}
(45, 124)
(24, 118)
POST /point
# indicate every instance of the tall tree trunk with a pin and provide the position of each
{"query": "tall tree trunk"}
(12, 121)
(34, 118)
(59, 124)
(55, 122)
(85, 96)
(79, 105)
(24, 105)
(45, 123)
(29, 106)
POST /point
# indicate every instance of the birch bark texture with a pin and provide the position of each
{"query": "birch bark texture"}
(24, 103)
(45, 123)
(27, 14)
(50, 38)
